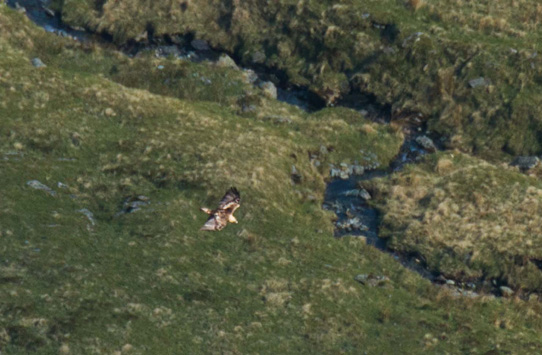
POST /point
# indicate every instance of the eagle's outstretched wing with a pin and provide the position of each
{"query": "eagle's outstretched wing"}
(232, 198)
(220, 217)
(214, 223)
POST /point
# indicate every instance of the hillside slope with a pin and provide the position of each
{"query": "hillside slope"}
(107, 257)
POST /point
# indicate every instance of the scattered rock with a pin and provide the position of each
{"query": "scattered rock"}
(481, 81)
(361, 278)
(506, 291)
(413, 38)
(277, 119)
(109, 112)
(142, 37)
(200, 45)
(166, 51)
(372, 280)
(35, 184)
(324, 150)
(36, 62)
(61, 185)
(525, 163)
(426, 143)
(249, 76)
(258, 57)
(20, 8)
(295, 175)
(89, 215)
(269, 89)
(364, 194)
(358, 169)
(346, 170)
(49, 12)
(352, 224)
(133, 204)
(333, 172)
(249, 108)
(225, 61)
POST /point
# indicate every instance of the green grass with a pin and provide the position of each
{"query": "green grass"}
(278, 282)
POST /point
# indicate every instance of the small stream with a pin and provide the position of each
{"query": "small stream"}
(344, 196)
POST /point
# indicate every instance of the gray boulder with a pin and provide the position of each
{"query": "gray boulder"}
(426, 143)
(225, 61)
(200, 45)
(38, 63)
(269, 89)
(526, 162)
(35, 184)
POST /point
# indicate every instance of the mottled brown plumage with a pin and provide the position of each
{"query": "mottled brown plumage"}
(219, 218)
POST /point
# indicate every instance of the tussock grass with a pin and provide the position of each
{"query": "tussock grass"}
(416, 56)
(468, 219)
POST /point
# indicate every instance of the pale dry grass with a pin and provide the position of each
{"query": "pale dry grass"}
(471, 218)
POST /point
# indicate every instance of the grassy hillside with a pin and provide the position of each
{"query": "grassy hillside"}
(83, 271)
(469, 68)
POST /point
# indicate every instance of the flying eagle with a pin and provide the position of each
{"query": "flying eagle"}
(219, 218)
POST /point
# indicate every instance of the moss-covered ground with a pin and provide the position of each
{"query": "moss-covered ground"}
(148, 282)
(469, 68)
(466, 218)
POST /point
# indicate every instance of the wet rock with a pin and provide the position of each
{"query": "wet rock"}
(481, 81)
(450, 282)
(49, 12)
(200, 45)
(269, 89)
(426, 143)
(346, 170)
(351, 224)
(133, 204)
(35, 184)
(36, 62)
(506, 291)
(525, 163)
(166, 51)
(344, 175)
(364, 194)
(358, 169)
(258, 57)
(225, 61)
(295, 175)
(20, 8)
(334, 172)
(249, 76)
